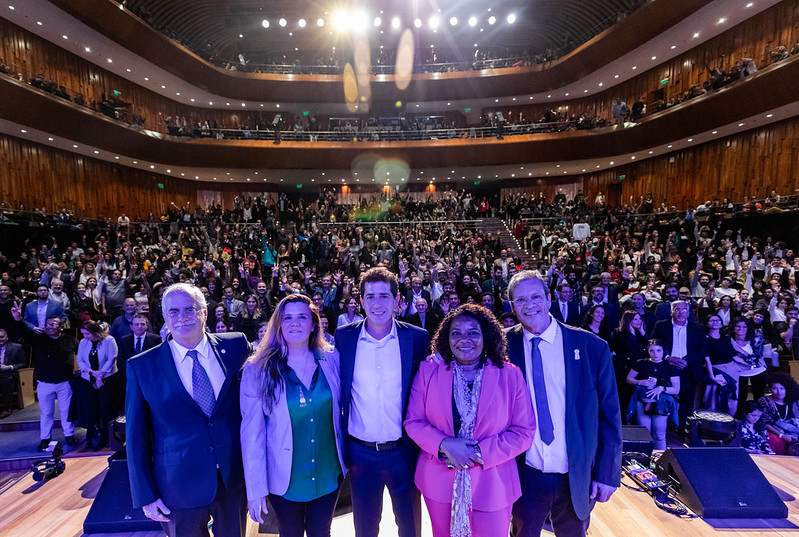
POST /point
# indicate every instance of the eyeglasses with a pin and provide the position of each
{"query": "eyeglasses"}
(525, 300)
(52, 325)
(176, 313)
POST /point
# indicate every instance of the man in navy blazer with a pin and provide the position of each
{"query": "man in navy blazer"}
(379, 358)
(49, 308)
(565, 302)
(183, 419)
(685, 343)
(575, 459)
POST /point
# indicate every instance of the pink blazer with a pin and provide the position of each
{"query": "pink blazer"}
(504, 429)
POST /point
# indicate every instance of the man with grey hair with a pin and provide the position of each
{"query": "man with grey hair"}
(685, 345)
(575, 459)
(183, 419)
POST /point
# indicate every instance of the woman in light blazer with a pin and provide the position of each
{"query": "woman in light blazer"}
(471, 415)
(291, 439)
(97, 390)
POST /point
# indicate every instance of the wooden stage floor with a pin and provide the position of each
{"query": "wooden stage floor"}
(58, 507)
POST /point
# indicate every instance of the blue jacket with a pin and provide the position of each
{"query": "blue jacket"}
(593, 416)
(173, 448)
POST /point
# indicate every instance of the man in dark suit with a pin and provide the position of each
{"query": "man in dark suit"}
(183, 419)
(611, 309)
(575, 458)
(131, 345)
(565, 303)
(415, 293)
(234, 306)
(12, 358)
(379, 358)
(686, 345)
(424, 318)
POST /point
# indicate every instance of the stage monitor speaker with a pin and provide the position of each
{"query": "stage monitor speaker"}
(112, 510)
(636, 439)
(720, 482)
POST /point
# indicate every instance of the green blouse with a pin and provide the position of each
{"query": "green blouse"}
(315, 467)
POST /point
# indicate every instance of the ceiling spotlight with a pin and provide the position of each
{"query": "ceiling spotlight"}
(417, 23)
(377, 22)
(453, 21)
(88, 49)
(434, 22)
(301, 23)
(340, 20)
(265, 23)
(472, 21)
(65, 37)
(696, 35)
(320, 22)
(722, 20)
(492, 19)
(769, 115)
(395, 22)
(654, 58)
(282, 22)
(511, 18)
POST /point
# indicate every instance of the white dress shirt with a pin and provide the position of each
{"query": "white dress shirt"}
(552, 458)
(207, 359)
(376, 407)
(679, 344)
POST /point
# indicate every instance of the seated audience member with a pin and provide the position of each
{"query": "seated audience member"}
(657, 383)
(780, 412)
(424, 318)
(351, 313)
(250, 318)
(596, 322)
(754, 436)
(12, 358)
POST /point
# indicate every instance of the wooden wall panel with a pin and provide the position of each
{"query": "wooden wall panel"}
(36, 176)
(748, 164)
(28, 54)
(754, 38)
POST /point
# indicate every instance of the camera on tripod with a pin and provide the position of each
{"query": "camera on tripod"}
(45, 469)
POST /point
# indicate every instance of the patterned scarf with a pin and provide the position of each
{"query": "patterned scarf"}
(466, 403)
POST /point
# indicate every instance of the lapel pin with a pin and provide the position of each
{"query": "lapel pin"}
(222, 351)
(576, 354)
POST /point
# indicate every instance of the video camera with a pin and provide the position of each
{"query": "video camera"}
(45, 469)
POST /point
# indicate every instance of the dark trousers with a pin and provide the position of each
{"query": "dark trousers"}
(687, 397)
(545, 494)
(312, 518)
(370, 472)
(228, 511)
(8, 381)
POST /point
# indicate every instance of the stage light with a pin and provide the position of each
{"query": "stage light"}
(453, 21)
(433, 22)
(511, 18)
(492, 19)
(472, 21)
(395, 23)
(301, 23)
(320, 22)
(282, 22)
(265, 23)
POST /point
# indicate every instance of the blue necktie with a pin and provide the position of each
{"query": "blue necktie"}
(545, 427)
(202, 390)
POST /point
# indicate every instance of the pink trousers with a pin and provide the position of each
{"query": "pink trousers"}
(483, 523)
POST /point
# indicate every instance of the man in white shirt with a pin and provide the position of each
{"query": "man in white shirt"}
(575, 459)
(686, 346)
(379, 358)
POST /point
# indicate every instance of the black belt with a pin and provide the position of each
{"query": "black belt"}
(378, 446)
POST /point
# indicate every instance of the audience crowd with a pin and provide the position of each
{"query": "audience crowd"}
(627, 274)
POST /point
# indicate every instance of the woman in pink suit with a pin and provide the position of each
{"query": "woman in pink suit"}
(471, 415)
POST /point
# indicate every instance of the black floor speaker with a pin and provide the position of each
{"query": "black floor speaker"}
(636, 439)
(112, 510)
(720, 482)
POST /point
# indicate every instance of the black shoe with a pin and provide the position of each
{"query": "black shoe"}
(43, 444)
(71, 440)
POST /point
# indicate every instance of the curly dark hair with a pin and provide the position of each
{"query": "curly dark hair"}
(495, 345)
(791, 386)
